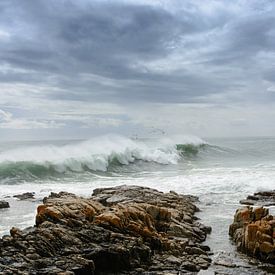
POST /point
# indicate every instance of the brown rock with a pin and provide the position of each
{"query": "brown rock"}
(123, 230)
(266, 247)
(250, 233)
(260, 212)
(253, 232)
(265, 238)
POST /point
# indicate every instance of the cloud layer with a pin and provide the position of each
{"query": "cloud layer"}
(88, 67)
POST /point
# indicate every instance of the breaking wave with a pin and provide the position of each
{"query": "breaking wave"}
(98, 154)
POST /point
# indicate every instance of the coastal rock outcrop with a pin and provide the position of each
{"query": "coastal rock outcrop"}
(263, 198)
(4, 204)
(253, 230)
(124, 229)
(25, 196)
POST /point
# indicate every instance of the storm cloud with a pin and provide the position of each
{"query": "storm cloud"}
(189, 67)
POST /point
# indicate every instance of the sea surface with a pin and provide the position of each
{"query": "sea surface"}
(220, 171)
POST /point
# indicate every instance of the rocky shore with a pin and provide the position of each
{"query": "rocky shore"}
(253, 229)
(119, 230)
(264, 198)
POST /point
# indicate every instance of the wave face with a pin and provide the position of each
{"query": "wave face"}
(98, 154)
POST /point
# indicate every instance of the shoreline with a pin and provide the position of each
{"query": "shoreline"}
(220, 259)
(131, 229)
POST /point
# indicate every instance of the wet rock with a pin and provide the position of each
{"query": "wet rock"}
(253, 230)
(4, 204)
(125, 230)
(25, 196)
(264, 198)
(190, 266)
(247, 202)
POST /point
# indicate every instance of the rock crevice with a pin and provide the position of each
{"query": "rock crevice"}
(125, 230)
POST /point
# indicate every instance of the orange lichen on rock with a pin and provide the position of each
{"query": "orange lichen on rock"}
(253, 231)
(118, 230)
(58, 209)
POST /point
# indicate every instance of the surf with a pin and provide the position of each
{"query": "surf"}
(97, 154)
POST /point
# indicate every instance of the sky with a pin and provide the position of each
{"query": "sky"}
(76, 69)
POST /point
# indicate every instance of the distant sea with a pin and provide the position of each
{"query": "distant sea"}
(219, 171)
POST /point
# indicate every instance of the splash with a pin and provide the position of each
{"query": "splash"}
(97, 154)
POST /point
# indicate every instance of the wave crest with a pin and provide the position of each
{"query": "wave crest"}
(98, 154)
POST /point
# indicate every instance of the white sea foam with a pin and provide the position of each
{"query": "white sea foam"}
(97, 154)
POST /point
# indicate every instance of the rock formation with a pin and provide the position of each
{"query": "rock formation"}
(125, 230)
(264, 198)
(253, 230)
(4, 204)
(25, 196)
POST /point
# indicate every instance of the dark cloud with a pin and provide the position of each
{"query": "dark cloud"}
(126, 52)
(247, 37)
(104, 38)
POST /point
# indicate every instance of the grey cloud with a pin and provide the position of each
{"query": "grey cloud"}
(104, 34)
(125, 53)
(243, 39)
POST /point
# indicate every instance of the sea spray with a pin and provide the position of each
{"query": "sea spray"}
(97, 154)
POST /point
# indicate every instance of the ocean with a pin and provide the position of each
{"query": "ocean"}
(219, 171)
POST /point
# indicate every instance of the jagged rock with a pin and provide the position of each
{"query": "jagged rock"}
(253, 230)
(125, 230)
(264, 198)
(4, 204)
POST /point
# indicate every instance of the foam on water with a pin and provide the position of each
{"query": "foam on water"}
(98, 154)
